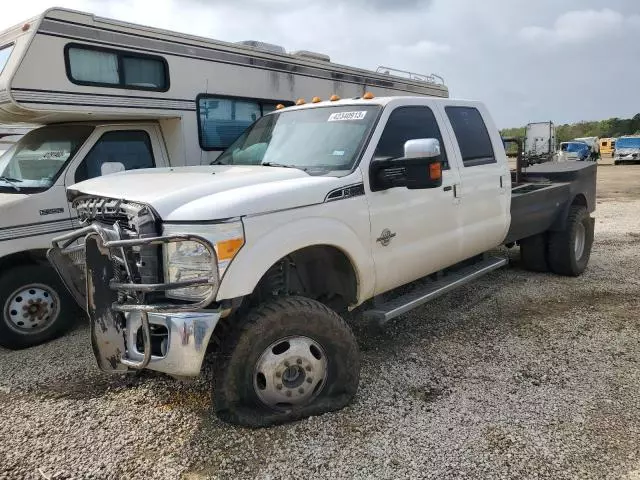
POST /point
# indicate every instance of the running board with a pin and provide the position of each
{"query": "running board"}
(384, 312)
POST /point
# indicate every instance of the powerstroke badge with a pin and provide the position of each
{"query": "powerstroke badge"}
(51, 211)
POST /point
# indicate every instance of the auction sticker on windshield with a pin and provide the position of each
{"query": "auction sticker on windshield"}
(339, 116)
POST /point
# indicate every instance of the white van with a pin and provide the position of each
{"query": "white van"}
(115, 96)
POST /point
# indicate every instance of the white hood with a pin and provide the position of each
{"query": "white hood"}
(213, 192)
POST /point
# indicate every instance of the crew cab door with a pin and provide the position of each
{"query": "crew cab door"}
(413, 232)
(114, 148)
(485, 193)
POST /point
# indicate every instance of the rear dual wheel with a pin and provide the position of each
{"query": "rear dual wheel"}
(564, 252)
(286, 360)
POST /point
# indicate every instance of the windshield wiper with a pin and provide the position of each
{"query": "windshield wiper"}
(12, 182)
(275, 164)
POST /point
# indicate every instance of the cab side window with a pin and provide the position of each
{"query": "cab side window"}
(409, 123)
(472, 135)
(130, 149)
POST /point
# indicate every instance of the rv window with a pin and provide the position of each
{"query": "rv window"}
(222, 120)
(112, 68)
(94, 66)
(130, 148)
(472, 135)
(5, 53)
(143, 72)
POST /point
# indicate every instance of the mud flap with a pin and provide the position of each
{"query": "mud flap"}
(107, 326)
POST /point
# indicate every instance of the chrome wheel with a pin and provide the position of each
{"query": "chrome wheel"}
(31, 309)
(292, 371)
(580, 241)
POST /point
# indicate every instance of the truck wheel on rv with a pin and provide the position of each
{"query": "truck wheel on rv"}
(533, 253)
(570, 249)
(289, 359)
(35, 306)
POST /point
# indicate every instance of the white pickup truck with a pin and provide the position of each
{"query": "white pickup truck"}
(315, 213)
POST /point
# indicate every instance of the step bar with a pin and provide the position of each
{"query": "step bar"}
(387, 311)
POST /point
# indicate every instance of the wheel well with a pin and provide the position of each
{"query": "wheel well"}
(321, 272)
(30, 257)
(581, 200)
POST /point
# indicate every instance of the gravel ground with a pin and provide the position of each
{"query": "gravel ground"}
(520, 375)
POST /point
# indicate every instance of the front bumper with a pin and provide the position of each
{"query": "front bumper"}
(132, 327)
(183, 349)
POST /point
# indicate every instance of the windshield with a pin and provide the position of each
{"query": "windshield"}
(574, 147)
(320, 141)
(631, 142)
(34, 161)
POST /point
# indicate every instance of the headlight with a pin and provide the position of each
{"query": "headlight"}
(189, 260)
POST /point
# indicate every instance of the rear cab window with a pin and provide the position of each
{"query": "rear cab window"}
(472, 136)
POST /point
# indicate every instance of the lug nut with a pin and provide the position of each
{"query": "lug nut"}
(308, 368)
(278, 374)
(301, 390)
(299, 361)
(288, 393)
(309, 380)
(279, 386)
(286, 363)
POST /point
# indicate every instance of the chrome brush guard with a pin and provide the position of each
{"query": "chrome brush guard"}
(110, 298)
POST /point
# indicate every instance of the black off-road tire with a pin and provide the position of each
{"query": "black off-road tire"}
(562, 255)
(234, 397)
(66, 310)
(533, 253)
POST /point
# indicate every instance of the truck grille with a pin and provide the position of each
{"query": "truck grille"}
(134, 221)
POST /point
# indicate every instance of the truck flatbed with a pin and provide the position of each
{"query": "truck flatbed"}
(540, 200)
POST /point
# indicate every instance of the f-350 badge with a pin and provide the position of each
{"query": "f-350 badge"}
(385, 237)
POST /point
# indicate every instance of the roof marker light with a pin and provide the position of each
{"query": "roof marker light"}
(316, 100)
(368, 96)
(300, 101)
(334, 98)
(279, 106)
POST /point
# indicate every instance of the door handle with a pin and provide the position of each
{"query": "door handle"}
(448, 188)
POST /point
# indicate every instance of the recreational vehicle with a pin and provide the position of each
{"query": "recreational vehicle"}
(112, 96)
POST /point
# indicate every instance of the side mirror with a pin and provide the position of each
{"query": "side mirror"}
(422, 148)
(107, 168)
(419, 168)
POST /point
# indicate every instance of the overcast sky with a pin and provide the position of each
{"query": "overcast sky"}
(560, 60)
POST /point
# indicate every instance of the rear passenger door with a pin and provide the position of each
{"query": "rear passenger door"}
(484, 176)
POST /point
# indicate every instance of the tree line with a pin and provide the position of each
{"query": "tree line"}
(613, 127)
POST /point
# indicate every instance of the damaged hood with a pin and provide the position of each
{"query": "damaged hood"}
(212, 192)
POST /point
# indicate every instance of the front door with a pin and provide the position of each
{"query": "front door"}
(413, 232)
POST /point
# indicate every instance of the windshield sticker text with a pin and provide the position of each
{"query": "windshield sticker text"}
(340, 116)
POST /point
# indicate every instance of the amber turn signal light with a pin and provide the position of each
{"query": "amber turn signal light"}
(435, 171)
